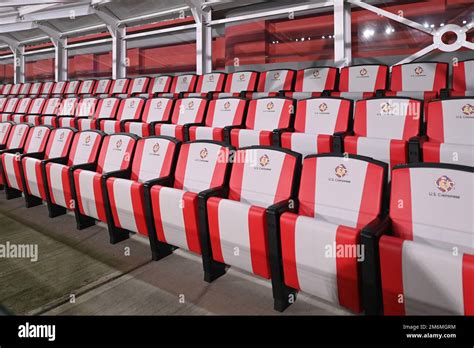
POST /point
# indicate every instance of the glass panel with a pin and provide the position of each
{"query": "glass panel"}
(6, 71)
(90, 65)
(39, 69)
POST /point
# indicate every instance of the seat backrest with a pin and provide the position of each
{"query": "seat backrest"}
(226, 112)
(157, 109)
(37, 105)
(269, 113)
(130, 109)
(161, 84)
(52, 106)
(189, 110)
(15, 89)
(5, 128)
(201, 165)
(18, 135)
(316, 79)
(68, 107)
(85, 147)
(388, 118)
(3, 102)
(184, 83)
(462, 76)
(451, 121)
(36, 88)
(139, 85)
(37, 139)
(102, 86)
(47, 87)
(107, 108)
(6, 89)
(153, 158)
(241, 81)
(86, 87)
(25, 88)
(342, 188)
(120, 86)
(59, 87)
(59, 142)
(86, 107)
(323, 115)
(23, 106)
(72, 87)
(212, 82)
(116, 152)
(11, 104)
(432, 204)
(263, 175)
(276, 80)
(429, 76)
(363, 78)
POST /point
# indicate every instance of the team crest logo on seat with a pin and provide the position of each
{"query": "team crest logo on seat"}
(276, 76)
(264, 160)
(270, 106)
(340, 171)
(39, 133)
(363, 72)
(156, 147)
(159, 104)
(316, 74)
(468, 109)
(4, 129)
(323, 107)
(419, 70)
(444, 184)
(160, 81)
(87, 140)
(203, 154)
(190, 105)
(118, 144)
(132, 104)
(210, 78)
(185, 79)
(242, 77)
(386, 108)
(109, 103)
(61, 136)
(20, 131)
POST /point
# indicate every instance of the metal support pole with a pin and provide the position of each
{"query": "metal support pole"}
(60, 50)
(202, 17)
(342, 33)
(18, 64)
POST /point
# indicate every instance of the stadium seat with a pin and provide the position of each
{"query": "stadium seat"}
(236, 231)
(129, 109)
(5, 128)
(138, 85)
(208, 84)
(222, 115)
(88, 186)
(119, 87)
(450, 132)
(158, 84)
(50, 111)
(86, 89)
(181, 84)
(320, 125)
(339, 195)
(67, 110)
(22, 109)
(47, 89)
(102, 88)
(11, 159)
(463, 84)
(15, 89)
(383, 127)
(312, 82)
(154, 159)
(361, 81)
(25, 89)
(59, 89)
(187, 112)
(6, 89)
(72, 88)
(265, 117)
(32, 168)
(106, 109)
(426, 247)
(172, 203)
(58, 171)
(238, 83)
(35, 89)
(9, 109)
(157, 110)
(35, 111)
(272, 82)
(84, 108)
(3, 102)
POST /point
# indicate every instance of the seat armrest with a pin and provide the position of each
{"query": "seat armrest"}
(326, 93)
(444, 93)
(122, 174)
(59, 160)
(338, 141)
(83, 166)
(415, 152)
(123, 122)
(154, 123)
(228, 130)
(15, 150)
(164, 181)
(380, 93)
(276, 137)
(370, 271)
(37, 155)
(220, 191)
(189, 125)
(2, 147)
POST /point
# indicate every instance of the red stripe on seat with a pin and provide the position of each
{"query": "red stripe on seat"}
(218, 175)
(360, 119)
(459, 77)
(412, 120)
(66, 188)
(324, 143)
(210, 113)
(155, 205)
(138, 193)
(213, 218)
(350, 144)
(286, 140)
(99, 197)
(237, 176)
(180, 171)
(392, 275)
(258, 241)
(285, 181)
(343, 115)
(113, 201)
(381, 81)
(138, 158)
(398, 152)
(434, 121)
(308, 181)
(431, 152)
(400, 204)
(300, 120)
(468, 283)
(265, 138)
(191, 222)
(441, 74)
(371, 202)
(344, 80)
(288, 249)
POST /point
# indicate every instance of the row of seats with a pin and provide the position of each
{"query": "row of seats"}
(390, 129)
(319, 226)
(421, 80)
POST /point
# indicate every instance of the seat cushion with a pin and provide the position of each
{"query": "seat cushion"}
(66, 122)
(321, 258)
(18, 118)
(11, 168)
(307, 144)
(90, 198)
(238, 235)
(206, 133)
(249, 137)
(448, 153)
(59, 186)
(175, 213)
(86, 124)
(139, 128)
(50, 121)
(172, 130)
(33, 119)
(110, 126)
(33, 177)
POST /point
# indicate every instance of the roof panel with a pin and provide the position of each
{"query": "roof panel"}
(132, 8)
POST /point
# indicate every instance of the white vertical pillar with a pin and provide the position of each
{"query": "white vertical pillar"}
(119, 52)
(342, 33)
(61, 60)
(18, 64)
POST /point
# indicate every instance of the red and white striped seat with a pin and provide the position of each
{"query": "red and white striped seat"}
(72, 88)
(427, 262)
(102, 88)
(6, 89)
(264, 117)
(238, 82)
(59, 88)
(32, 169)
(272, 82)
(201, 165)
(119, 87)
(361, 81)
(186, 112)
(208, 83)
(154, 158)
(106, 109)
(50, 111)
(157, 110)
(5, 128)
(222, 114)
(130, 109)
(338, 196)
(316, 121)
(84, 150)
(11, 161)
(157, 85)
(383, 127)
(463, 84)
(15, 89)
(450, 131)
(115, 154)
(138, 85)
(47, 88)
(86, 88)
(312, 82)
(237, 224)
(85, 108)
(181, 84)
(22, 109)
(66, 112)
(3, 102)
(35, 112)
(9, 109)
(25, 89)
(35, 89)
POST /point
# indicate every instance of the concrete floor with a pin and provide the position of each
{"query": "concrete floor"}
(80, 273)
